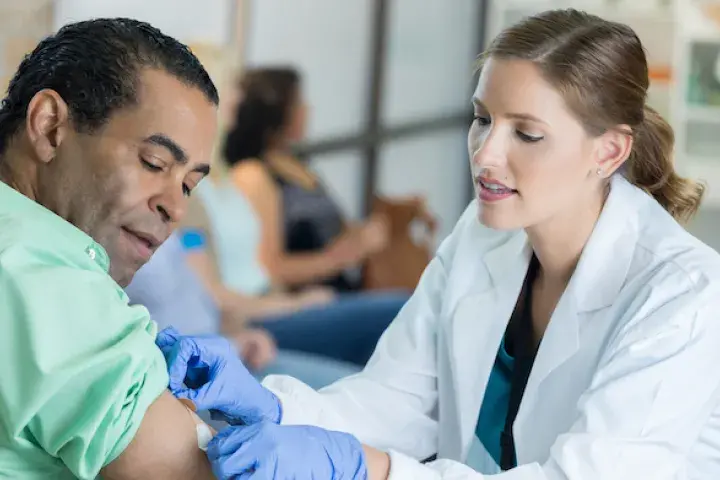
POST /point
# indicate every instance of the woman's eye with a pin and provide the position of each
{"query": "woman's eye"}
(529, 138)
(483, 121)
(187, 191)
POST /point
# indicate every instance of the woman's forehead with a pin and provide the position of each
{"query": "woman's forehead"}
(517, 86)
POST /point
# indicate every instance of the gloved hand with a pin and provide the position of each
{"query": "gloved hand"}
(208, 372)
(283, 452)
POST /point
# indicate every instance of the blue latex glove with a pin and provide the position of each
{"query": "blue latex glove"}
(284, 452)
(209, 372)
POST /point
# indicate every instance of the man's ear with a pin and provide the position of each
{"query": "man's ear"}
(47, 123)
(613, 149)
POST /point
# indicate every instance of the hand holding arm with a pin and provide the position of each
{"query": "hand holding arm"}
(208, 372)
(267, 450)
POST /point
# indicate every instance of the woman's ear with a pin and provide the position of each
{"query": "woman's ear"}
(46, 123)
(613, 149)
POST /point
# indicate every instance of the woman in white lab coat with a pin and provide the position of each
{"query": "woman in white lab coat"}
(568, 328)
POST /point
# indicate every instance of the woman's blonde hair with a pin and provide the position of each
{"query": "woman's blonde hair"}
(600, 69)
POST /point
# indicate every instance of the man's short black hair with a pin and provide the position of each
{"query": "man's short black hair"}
(95, 66)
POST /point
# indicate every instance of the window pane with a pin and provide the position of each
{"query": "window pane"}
(434, 166)
(190, 21)
(342, 174)
(431, 58)
(328, 40)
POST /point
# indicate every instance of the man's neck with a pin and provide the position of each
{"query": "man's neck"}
(16, 178)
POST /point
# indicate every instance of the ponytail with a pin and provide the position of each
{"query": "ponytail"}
(651, 168)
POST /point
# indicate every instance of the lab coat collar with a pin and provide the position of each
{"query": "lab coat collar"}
(605, 260)
(596, 282)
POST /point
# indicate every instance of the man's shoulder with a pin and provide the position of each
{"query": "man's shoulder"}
(26, 242)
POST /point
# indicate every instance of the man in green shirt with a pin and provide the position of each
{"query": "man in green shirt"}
(106, 128)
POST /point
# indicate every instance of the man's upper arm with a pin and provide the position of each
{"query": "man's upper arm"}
(80, 370)
(165, 446)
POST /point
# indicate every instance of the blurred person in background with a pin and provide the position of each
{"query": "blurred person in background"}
(304, 238)
(174, 296)
(315, 320)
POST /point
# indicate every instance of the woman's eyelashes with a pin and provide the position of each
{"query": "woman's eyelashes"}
(481, 120)
(525, 137)
(484, 121)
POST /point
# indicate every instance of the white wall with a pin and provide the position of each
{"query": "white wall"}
(191, 21)
(431, 58)
(429, 73)
(328, 40)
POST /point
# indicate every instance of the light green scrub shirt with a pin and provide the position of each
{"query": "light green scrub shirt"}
(78, 366)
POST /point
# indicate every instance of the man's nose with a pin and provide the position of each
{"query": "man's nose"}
(171, 204)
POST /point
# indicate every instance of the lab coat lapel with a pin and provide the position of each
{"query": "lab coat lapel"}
(593, 286)
(478, 324)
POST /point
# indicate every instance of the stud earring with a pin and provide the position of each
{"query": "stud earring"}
(599, 172)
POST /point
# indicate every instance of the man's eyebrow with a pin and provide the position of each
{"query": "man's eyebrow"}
(204, 169)
(164, 141)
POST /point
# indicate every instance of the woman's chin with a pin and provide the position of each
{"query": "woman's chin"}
(496, 219)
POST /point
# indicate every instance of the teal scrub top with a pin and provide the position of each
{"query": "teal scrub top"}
(494, 409)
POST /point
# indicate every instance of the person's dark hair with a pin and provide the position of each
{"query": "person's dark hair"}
(267, 96)
(94, 66)
(600, 69)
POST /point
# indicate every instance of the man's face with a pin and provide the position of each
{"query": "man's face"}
(126, 185)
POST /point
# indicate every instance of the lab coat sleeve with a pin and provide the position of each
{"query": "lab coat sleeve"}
(391, 404)
(654, 389)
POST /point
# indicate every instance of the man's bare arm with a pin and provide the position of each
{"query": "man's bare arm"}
(165, 446)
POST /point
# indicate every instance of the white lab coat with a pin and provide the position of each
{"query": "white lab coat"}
(626, 383)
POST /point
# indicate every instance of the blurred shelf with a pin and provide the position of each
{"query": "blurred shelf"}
(698, 20)
(703, 113)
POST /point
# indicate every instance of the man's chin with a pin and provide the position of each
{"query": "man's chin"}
(122, 275)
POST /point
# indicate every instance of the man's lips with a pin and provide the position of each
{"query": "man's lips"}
(145, 242)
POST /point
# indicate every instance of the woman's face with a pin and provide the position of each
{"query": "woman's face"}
(297, 120)
(229, 101)
(530, 157)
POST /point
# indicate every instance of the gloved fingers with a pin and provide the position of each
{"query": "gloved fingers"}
(215, 347)
(197, 375)
(223, 469)
(201, 397)
(263, 472)
(166, 338)
(232, 440)
(180, 355)
(220, 416)
(235, 463)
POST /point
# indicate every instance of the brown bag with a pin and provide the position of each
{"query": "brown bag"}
(410, 248)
